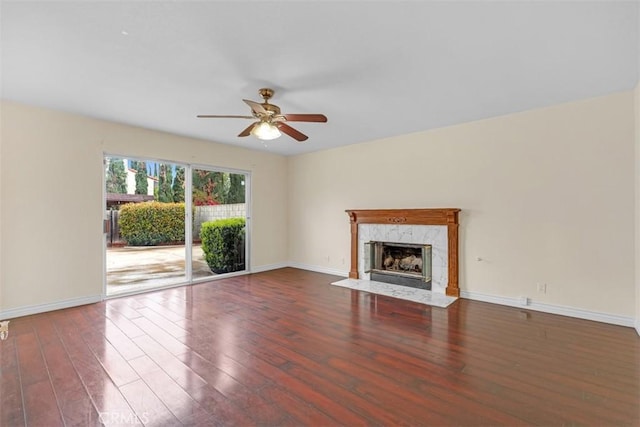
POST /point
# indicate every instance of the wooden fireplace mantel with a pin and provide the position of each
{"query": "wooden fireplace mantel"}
(444, 216)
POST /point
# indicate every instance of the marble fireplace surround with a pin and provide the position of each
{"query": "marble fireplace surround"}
(371, 224)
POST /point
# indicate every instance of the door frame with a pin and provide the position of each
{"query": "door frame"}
(188, 196)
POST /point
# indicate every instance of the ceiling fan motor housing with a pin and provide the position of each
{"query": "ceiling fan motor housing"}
(266, 94)
(274, 109)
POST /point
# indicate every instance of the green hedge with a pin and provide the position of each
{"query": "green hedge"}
(152, 223)
(223, 244)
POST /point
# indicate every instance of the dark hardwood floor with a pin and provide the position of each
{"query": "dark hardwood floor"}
(286, 348)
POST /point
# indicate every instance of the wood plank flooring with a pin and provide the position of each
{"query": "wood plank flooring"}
(286, 348)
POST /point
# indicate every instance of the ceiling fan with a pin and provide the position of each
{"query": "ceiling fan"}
(270, 122)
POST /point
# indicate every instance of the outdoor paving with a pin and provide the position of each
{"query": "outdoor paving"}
(131, 269)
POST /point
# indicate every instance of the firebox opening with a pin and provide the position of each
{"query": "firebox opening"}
(399, 263)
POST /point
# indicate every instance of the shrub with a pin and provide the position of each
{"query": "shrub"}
(152, 223)
(223, 244)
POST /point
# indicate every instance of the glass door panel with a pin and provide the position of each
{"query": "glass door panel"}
(219, 222)
(145, 212)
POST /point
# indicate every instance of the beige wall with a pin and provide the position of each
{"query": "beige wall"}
(1, 203)
(546, 196)
(637, 212)
(54, 160)
(637, 182)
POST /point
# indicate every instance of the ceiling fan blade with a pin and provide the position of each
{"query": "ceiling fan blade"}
(306, 118)
(248, 130)
(297, 135)
(215, 116)
(256, 107)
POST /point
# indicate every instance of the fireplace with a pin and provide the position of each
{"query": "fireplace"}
(436, 227)
(399, 263)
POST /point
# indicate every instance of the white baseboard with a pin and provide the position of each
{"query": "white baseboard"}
(41, 308)
(638, 325)
(301, 266)
(268, 267)
(553, 309)
(319, 269)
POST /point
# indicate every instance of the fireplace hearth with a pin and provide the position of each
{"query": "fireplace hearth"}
(399, 263)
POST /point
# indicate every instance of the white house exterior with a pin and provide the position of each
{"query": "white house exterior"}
(131, 180)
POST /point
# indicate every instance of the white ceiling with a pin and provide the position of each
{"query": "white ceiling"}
(375, 69)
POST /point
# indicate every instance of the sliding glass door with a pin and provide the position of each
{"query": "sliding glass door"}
(168, 223)
(219, 222)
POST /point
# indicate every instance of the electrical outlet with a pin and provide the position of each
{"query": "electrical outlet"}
(542, 288)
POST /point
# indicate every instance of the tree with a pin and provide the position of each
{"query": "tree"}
(214, 188)
(203, 187)
(165, 193)
(236, 188)
(116, 176)
(142, 185)
(178, 185)
(221, 181)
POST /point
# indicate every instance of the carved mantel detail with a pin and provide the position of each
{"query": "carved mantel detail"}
(444, 216)
(397, 219)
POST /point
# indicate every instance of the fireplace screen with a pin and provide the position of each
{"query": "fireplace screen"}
(399, 263)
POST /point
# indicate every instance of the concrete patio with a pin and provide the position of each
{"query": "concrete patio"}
(131, 269)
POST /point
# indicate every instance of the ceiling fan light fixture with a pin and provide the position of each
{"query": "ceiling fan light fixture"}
(266, 131)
